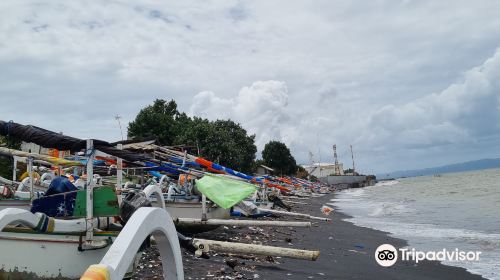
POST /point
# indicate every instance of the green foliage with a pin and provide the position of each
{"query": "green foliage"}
(222, 141)
(313, 178)
(157, 120)
(6, 163)
(277, 156)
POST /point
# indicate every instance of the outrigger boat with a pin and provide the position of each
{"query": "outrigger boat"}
(32, 185)
(87, 234)
(72, 244)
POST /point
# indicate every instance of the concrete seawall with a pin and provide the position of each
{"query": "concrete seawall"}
(348, 180)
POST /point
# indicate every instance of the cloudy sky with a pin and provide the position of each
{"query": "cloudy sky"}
(409, 84)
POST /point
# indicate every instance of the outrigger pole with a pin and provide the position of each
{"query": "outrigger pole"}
(217, 168)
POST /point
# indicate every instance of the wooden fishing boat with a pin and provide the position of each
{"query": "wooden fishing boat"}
(191, 208)
(34, 255)
(195, 210)
(50, 248)
(15, 203)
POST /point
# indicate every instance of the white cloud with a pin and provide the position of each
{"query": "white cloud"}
(465, 114)
(309, 74)
(261, 108)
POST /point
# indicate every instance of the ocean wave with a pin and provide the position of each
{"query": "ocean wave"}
(434, 237)
(455, 211)
(390, 209)
(387, 183)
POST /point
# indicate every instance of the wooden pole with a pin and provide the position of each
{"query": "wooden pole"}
(228, 222)
(241, 248)
(293, 214)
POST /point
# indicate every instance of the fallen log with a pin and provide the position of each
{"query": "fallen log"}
(293, 214)
(205, 245)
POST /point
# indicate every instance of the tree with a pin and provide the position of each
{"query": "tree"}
(157, 120)
(222, 141)
(313, 178)
(277, 156)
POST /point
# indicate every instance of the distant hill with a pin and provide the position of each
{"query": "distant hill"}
(458, 167)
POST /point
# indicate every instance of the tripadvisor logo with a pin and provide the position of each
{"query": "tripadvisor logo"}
(387, 255)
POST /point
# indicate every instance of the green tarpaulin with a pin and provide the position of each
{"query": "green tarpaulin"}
(224, 192)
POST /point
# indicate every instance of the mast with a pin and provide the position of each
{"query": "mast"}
(311, 160)
(117, 118)
(353, 167)
(337, 167)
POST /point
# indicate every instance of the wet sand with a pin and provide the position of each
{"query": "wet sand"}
(347, 252)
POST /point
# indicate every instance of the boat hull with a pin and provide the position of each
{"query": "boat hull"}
(45, 256)
(194, 210)
(15, 203)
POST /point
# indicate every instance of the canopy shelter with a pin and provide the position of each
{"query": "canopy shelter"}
(54, 140)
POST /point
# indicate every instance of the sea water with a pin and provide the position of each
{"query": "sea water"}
(456, 210)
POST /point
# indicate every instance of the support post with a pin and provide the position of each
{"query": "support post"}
(203, 207)
(14, 170)
(60, 154)
(184, 158)
(90, 192)
(30, 170)
(119, 176)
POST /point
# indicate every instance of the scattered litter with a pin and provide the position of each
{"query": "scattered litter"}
(326, 210)
(360, 246)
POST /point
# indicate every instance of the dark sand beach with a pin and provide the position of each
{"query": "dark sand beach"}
(347, 252)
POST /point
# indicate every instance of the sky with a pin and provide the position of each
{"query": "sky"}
(410, 84)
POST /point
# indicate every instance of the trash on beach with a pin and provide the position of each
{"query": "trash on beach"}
(326, 210)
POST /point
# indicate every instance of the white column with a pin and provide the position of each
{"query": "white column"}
(30, 171)
(184, 159)
(60, 154)
(14, 175)
(203, 207)
(119, 176)
(90, 190)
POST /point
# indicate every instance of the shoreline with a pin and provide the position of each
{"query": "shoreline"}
(440, 268)
(347, 252)
(350, 253)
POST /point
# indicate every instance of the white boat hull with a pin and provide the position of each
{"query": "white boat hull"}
(194, 210)
(15, 203)
(47, 256)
